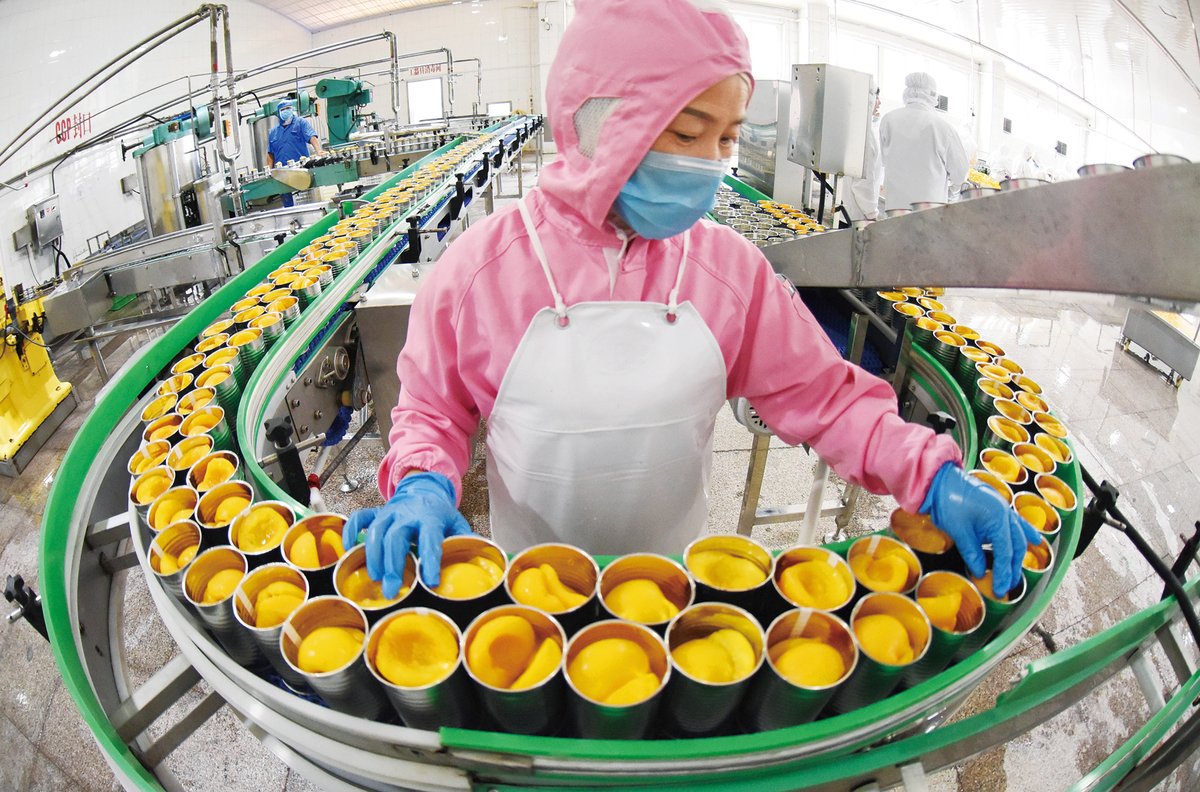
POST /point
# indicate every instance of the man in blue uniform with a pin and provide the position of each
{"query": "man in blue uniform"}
(290, 139)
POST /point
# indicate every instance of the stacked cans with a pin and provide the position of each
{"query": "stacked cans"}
(763, 222)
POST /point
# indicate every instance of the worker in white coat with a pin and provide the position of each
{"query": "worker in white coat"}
(923, 156)
(862, 194)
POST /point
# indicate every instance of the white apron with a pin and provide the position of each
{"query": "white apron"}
(601, 435)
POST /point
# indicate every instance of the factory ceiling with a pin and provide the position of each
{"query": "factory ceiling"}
(323, 14)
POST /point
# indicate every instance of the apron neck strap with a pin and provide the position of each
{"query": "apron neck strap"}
(560, 307)
(673, 299)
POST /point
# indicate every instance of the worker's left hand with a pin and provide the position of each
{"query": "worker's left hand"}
(973, 514)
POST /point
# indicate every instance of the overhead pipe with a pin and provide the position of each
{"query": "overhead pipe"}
(228, 159)
(478, 84)
(449, 69)
(144, 46)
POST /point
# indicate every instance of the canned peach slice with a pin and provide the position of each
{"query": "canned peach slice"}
(150, 487)
(720, 657)
(276, 602)
(221, 585)
(469, 579)
(815, 584)
(165, 563)
(309, 553)
(151, 456)
(614, 671)
(359, 587)
(640, 600)
(540, 587)
(809, 662)
(505, 653)
(724, 570)
(218, 470)
(416, 650)
(884, 639)
(263, 528)
(327, 649)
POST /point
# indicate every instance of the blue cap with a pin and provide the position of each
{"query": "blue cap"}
(285, 104)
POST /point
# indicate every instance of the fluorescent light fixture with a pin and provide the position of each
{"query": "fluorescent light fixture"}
(502, 37)
(56, 53)
(1122, 45)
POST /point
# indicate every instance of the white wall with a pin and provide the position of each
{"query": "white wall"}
(509, 66)
(48, 46)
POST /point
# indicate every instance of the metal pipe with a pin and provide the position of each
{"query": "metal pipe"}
(449, 69)
(478, 83)
(147, 44)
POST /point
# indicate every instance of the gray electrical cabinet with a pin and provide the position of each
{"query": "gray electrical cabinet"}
(830, 118)
(45, 222)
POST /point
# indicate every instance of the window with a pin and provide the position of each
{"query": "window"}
(425, 100)
(499, 109)
(769, 58)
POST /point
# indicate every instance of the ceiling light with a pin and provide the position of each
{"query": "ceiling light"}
(502, 37)
(1121, 45)
(56, 53)
(1182, 109)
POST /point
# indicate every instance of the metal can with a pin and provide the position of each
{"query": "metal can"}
(224, 384)
(159, 407)
(694, 706)
(177, 384)
(597, 720)
(244, 318)
(270, 325)
(250, 346)
(945, 347)
(348, 688)
(217, 509)
(212, 343)
(1034, 458)
(187, 363)
(533, 708)
(1055, 447)
(262, 630)
(875, 677)
(215, 610)
(320, 575)
(202, 479)
(1004, 466)
(903, 313)
(216, 328)
(258, 547)
(461, 550)
(441, 696)
(148, 456)
(306, 289)
(996, 612)
(751, 560)
(964, 367)
(572, 567)
(995, 482)
(186, 453)
(951, 626)
(1003, 433)
(1038, 560)
(1013, 411)
(985, 394)
(173, 505)
(922, 331)
(1039, 513)
(287, 307)
(777, 698)
(171, 552)
(231, 357)
(200, 397)
(668, 577)
(869, 552)
(146, 488)
(932, 546)
(789, 581)
(209, 421)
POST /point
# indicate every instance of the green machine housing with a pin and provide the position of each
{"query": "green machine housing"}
(342, 98)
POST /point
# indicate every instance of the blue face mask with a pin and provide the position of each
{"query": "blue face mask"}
(285, 116)
(668, 193)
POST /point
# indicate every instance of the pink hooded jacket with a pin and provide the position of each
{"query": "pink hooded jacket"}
(624, 69)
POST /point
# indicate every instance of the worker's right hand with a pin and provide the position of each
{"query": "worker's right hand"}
(422, 512)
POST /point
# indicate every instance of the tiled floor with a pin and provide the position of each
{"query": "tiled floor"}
(1129, 427)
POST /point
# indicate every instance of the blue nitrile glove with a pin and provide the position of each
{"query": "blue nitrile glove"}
(974, 514)
(421, 512)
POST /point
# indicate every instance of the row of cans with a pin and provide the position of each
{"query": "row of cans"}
(981, 615)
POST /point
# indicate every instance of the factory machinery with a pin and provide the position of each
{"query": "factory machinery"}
(1064, 236)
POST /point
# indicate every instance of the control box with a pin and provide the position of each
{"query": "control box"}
(45, 222)
(829, 118)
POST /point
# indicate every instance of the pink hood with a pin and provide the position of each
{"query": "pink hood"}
(652, 57)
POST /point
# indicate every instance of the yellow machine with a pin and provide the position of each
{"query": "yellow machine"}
(33, 401)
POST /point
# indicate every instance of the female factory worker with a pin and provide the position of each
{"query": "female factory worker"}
(599, 326)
